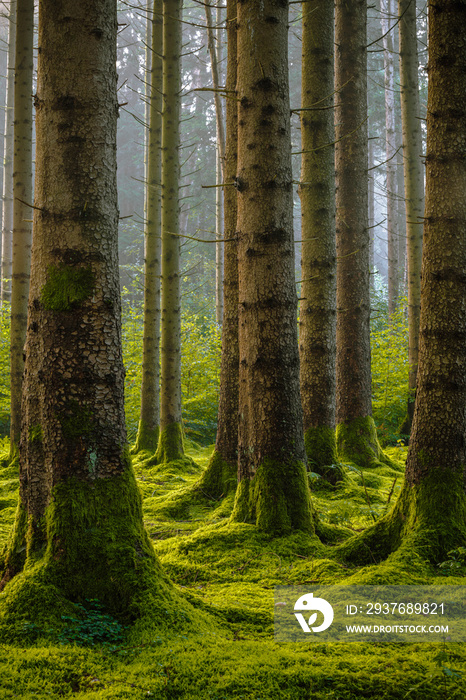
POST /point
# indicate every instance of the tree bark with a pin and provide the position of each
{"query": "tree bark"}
(429, 516)
(170, 446)
(356, 434)
(148, 430)
(22, 199)
(273, 491)
(7, 224)
(317, 316)
(390, 151)
(414, 184)
(220, 476)
(80, 518)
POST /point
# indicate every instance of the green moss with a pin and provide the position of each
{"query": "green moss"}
(66, 287)
(147, 438)
(220, 477)
(35, 433)
(76, 420)
(321, 450)
(358, 442)
(277, 499)
(171, 444)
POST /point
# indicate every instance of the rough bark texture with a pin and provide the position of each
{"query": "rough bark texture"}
(22, 192)
(371, 214)
(171, 436)
(221, 474)
(414, 182)
(390, 150)
(429, 516)
(7, 220)
(317, 315)
(79, 526)
(148, 430)
(273, 491)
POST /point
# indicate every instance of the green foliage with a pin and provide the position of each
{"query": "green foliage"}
(66, 287)
(455, 562)
(390, 391)
(200, 369)
(92, 626)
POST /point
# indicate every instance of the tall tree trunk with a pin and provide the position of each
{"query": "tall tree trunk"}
(400, 215)
(414, 184)
(390, 151)
(80, 518)
(317, 317)
(371, 216)
(273, 491)
(215, 58)
(7, 224)
(148, 430)
(171, 434)
(429, 516)
(356, 433)
(22, 193)
(220, 476)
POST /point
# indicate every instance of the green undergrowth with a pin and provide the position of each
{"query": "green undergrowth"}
(224, 573)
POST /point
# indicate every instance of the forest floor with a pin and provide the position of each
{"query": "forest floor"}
(229, 572)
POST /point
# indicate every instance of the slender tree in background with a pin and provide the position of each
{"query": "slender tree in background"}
(79, 531)
(400, 215)
(7, 223)
(371, 213)
(273, 490)
(22, 193)
(414, 184)
(387, 7)
(317, 316)
(215, 58)
(220, 476)
(148, 430)
(429, 516)
(356, 434)
(171, 433)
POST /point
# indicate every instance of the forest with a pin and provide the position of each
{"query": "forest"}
(232, 349)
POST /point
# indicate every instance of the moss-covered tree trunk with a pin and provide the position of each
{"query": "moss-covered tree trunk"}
(170, 446)
(7, 213)
(22, 193)
(317, 316)
(414, 184)
(273, 490)
(148, 430)
(220, 476)
(430, 515)
(79, 529)
(390, 154)
(356, 433)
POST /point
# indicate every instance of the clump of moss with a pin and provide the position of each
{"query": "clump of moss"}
(66, 287)
(358, 442)
(321, 451)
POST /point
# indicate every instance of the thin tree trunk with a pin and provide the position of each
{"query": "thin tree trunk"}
(79, 523)
(220, 476)
(215, 57)
(356, 433)
(171, 435)
(22, 212)
(317, 324)
(148, 430)
(414, 184)
(371, 217)
(390, 150)
(273, 491)
(7, 226)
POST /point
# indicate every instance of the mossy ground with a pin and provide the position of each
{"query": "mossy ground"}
(227, 572)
